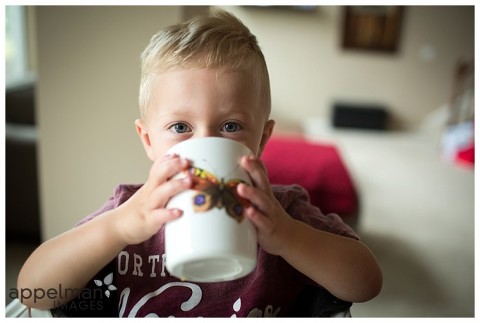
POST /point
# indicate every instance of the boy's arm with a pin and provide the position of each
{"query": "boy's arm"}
(344, 266)
(74, 257)
(70, 260)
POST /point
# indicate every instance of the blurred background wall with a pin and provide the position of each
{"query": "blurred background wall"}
(309, 69)
(88, 73)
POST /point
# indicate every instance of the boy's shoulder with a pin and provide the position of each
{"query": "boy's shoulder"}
(121, 193)
(296, 202)
(290, 193)
(124, 191)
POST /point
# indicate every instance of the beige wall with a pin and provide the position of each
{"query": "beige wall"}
(89, 69)
(309, 70)
(88, 65)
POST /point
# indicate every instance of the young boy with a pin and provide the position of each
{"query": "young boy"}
(205, 77)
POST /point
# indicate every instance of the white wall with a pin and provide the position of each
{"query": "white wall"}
(88, 64)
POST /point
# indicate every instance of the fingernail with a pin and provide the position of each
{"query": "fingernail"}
(241, 186)
(177, 212)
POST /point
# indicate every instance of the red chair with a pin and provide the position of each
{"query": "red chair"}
(319, 168)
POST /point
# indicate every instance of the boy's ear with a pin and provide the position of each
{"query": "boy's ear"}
(267, 132)
(144, 137)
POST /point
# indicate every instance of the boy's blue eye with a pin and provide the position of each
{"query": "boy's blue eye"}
(180, 128)
(231, 127)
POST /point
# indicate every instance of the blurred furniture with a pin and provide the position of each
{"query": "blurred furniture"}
(21, 187)
(22, 215)
(362, 116)
(17, 309)
(319, 168)
(458, 138)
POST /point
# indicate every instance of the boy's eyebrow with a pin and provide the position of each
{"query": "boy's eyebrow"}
(184, 113)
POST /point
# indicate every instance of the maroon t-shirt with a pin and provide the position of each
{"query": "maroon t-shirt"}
(144, 287)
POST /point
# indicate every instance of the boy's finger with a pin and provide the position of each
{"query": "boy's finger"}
(163, 193)
(256, 197)
(261, 222)
(165, 168)
(257, 171)
(162, 216)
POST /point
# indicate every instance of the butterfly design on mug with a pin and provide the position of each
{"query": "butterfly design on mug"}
(212, 192)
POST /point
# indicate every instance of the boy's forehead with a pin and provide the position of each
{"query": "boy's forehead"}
(219, 72)
(238, 87)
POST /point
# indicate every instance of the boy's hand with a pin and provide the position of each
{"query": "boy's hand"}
(266, 213)
(342, 265)
(145, 213)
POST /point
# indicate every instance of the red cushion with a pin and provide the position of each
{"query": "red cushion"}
(317, 167)
(466, 156)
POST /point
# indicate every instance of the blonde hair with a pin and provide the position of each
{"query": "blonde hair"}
(218, 40)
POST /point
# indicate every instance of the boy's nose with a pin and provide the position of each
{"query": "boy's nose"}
(206, 132)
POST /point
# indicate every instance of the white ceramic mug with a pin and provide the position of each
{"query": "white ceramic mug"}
(212, 241)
